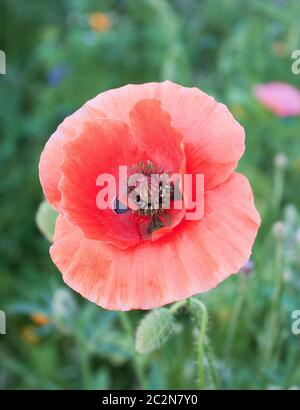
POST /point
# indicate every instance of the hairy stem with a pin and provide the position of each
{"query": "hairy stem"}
(202, 323)
(138, 367)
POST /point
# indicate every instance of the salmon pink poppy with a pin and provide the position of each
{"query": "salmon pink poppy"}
(281, 98)
(145, 258)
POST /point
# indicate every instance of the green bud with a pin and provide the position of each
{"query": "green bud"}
(154, 330)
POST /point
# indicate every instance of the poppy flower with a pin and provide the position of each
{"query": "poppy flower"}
(281, 98)
(137, 259)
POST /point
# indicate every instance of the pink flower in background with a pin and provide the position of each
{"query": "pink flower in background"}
(281, 98)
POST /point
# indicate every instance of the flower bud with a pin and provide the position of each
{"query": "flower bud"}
(280, 161)
(154, 330)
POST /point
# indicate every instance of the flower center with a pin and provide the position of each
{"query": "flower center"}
(149, 194)
(150, 190)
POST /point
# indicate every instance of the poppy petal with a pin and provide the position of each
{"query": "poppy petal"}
(195, 258)
(214, 140)
(151, 126)
(52, 155)
(96, 142)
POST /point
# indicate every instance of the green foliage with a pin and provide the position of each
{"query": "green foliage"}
(154, 330)
(55, 62)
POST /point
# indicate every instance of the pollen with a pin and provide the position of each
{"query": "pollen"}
(150, 194)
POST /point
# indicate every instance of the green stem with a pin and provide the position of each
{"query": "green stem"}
(272, 324)
(213, 374)
(278, 187)
(201, 341)
(177, 306)
(85, 366)
(138, 367)
(235, 317)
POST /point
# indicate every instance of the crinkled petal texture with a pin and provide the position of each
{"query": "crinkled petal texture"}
(86, 158)
(281, 98)
(214, 141)
(195, 259)
(101, 146)
(102, 254)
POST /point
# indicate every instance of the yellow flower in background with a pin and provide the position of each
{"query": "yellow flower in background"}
(100, 22)
(40, 319)
(29, 335)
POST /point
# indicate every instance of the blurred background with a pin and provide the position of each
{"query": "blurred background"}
(61, 53)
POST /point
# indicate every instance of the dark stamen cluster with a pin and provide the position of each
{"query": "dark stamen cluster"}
(150, 201)
(153, 201)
